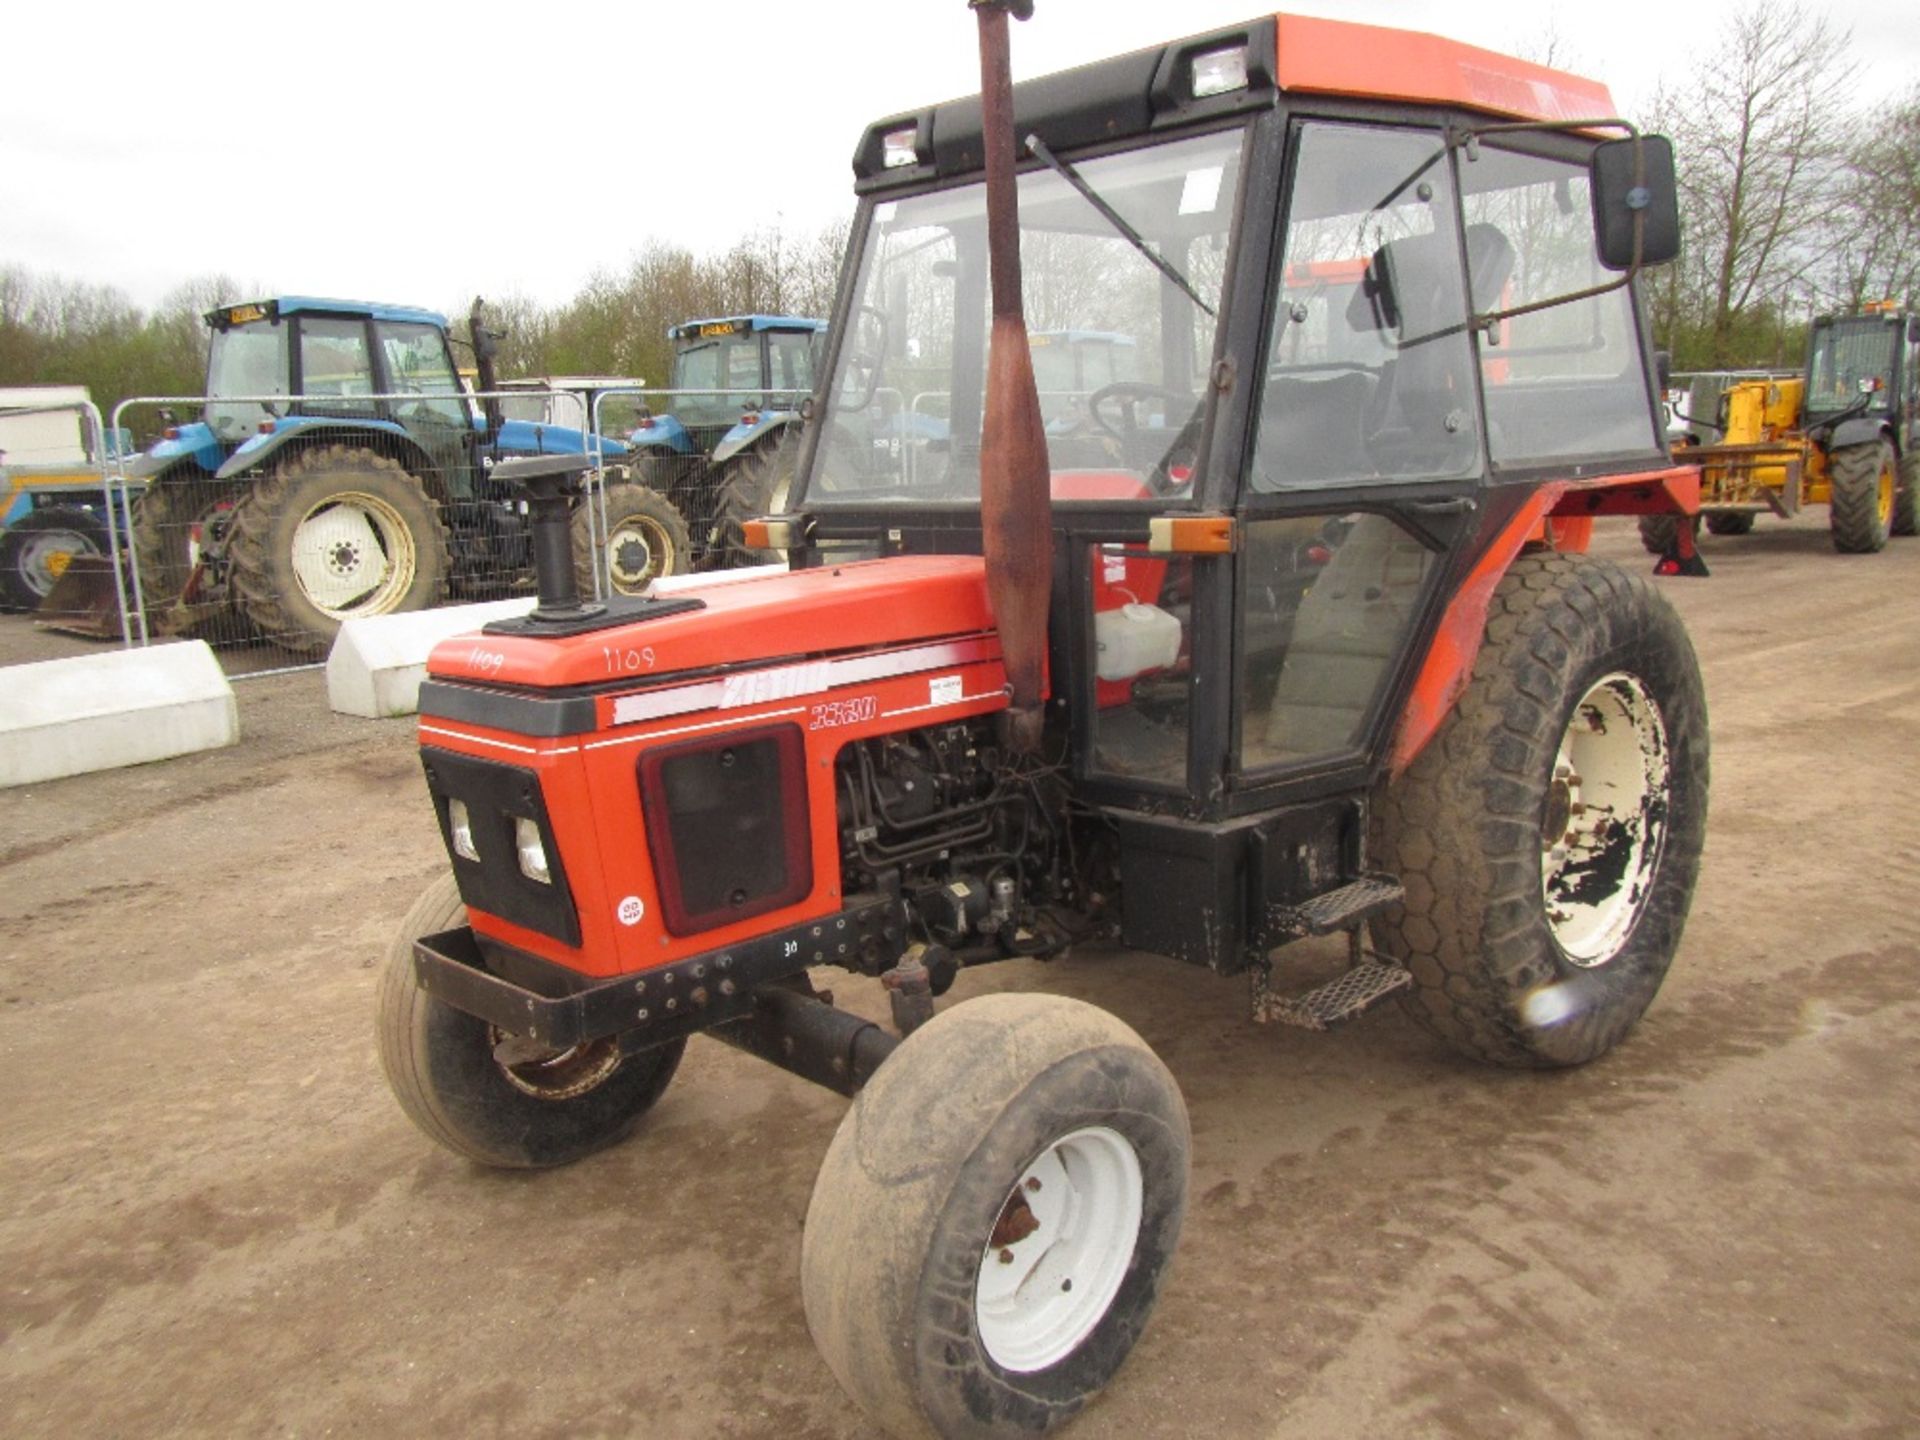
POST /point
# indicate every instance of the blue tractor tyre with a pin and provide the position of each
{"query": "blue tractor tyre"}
(759, 482)
(333, 533)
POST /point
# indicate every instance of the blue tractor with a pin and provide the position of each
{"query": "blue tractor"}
(724, 458)
(308, 511)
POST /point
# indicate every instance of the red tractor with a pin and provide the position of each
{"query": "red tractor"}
(1294, 637)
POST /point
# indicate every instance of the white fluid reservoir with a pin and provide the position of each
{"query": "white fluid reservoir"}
(1133, 640)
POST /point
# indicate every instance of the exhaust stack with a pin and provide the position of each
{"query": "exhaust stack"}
(1015, 513)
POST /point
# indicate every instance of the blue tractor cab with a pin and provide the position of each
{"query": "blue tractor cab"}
(365, 490)
(754, 370)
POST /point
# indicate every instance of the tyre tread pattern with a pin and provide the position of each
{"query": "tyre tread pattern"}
(1855, 497)
(1461, 828)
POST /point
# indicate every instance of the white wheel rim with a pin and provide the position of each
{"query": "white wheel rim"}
(354, 555)
(1606, 819)
(633, 555)
(1041, 1295)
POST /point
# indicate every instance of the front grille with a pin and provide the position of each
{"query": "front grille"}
(727, 824)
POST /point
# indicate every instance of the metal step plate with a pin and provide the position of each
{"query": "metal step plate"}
(1340, 999)
(1339, 909)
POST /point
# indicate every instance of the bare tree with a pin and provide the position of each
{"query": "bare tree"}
(1758, 131)
(1876, 254)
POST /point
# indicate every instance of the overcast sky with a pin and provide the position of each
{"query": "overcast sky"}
(425, 152)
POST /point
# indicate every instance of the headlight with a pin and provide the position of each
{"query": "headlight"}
(1219, 71)
(533, 854)
(461, 824)
(901, 147)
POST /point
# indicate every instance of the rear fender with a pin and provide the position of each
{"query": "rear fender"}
(664, 437)
(744, 437)
(193, 444)
(298, 433)
(1559, 515)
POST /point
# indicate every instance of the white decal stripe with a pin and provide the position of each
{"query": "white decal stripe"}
(857, 670)
(497, 744)
(732, 722)
(945, 704)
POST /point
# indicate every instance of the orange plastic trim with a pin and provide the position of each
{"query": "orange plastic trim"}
(1336, 57)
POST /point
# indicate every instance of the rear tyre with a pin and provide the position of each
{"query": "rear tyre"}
(643, 538)
(35, 553)
(1906, 497)
(1730, 522)
(173, 527)
(758, 483)
(994, 1218)
(333, 534)
(1657, 532)
(1549, 836)
(1862, 503)
(535, 1114)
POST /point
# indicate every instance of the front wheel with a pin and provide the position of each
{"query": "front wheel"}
(35, 552)
(1863, 497)
(1574, 768)
(640, 538)
(994, 1218)
(332, 535)
(1730, 522)
(444, 1066)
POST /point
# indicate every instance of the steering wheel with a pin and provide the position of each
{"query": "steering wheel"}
(1183, 448)
(859, 357)
(1130, 393)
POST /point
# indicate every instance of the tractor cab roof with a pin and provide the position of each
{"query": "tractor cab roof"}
(1241, 68)
(741, 325)
(248, 311)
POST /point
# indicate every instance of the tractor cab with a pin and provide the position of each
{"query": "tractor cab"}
(741, 362)
(1337, 339)
(1866, 365)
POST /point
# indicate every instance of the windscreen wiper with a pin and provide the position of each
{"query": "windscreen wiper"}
(1113, 217)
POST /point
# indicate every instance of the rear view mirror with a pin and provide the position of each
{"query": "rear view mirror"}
(1633, 181)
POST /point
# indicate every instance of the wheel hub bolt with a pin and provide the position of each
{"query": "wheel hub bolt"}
(1033, 1184)
(1006, 1257)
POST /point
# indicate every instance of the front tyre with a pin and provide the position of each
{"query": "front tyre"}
(1549, 835)
(533, 1113)
(333, 534)
(1863, 499)
(994, 1218)
(641, 538)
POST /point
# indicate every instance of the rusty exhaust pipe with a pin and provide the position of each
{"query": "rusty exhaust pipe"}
(1015, 514)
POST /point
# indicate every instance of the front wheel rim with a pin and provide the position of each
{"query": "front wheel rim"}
(638, 551)
(354, 554)
(1605, 819)
(1060, 1249)
(1883, 500)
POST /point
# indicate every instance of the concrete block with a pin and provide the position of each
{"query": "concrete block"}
(376, 664)
(99, 712)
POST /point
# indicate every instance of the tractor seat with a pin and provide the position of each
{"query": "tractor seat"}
(1313, 430)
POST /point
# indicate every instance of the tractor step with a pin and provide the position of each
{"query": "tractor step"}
(1342, 909)
(1341, 999)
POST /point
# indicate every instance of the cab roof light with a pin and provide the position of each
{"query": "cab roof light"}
(901, 148)
(1218, 72)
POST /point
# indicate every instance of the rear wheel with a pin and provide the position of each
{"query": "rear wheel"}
(174, 524)
(332, 535)
(1862, 502)
(642, 538)
(532, 1111)
(1657, 532)
(757, 483)
(1576, 761)
(994, 1218)
(1730, 522)
(35, 552)
(1906, 497)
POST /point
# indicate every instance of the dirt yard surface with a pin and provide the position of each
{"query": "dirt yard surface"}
(215, 1221)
